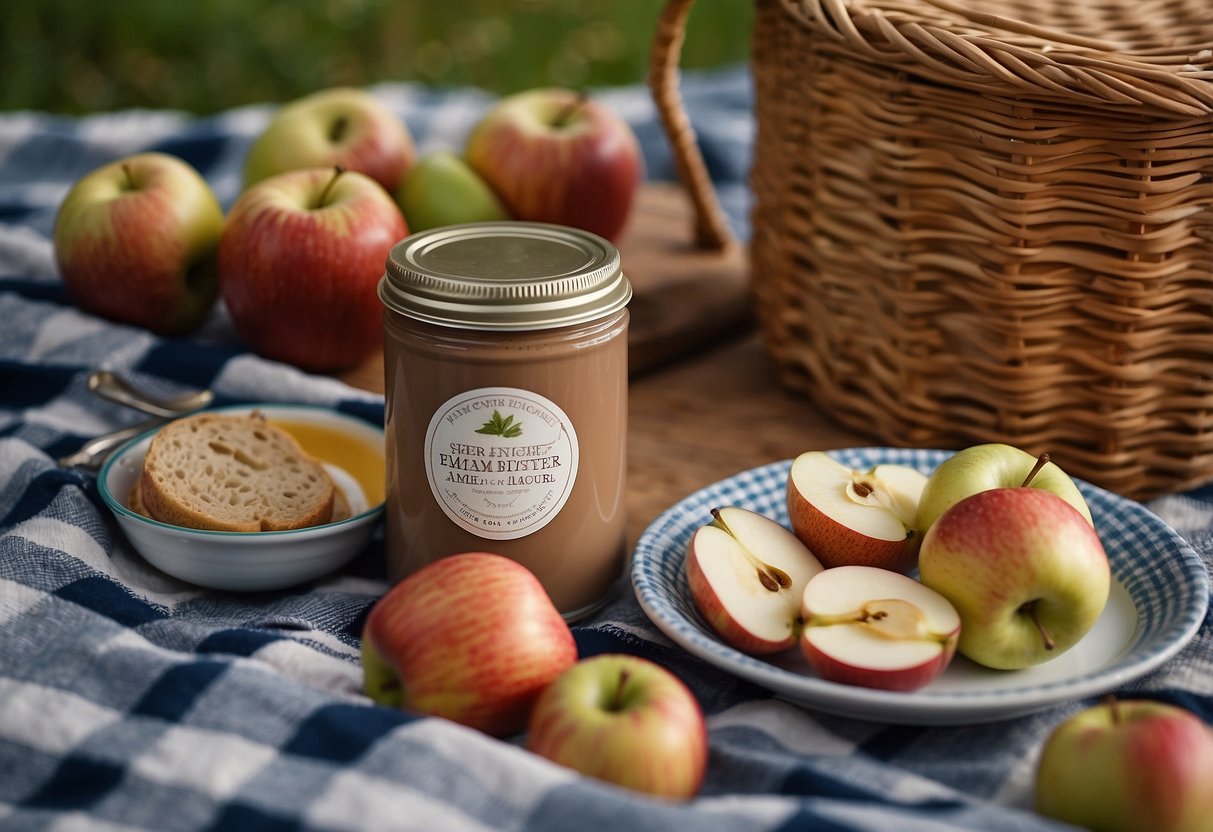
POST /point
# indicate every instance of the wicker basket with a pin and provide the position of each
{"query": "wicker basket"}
(984, 221)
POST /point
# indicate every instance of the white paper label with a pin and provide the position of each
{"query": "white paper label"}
(501, 461)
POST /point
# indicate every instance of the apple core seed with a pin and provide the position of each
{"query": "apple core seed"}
(893, 618)
(878, 494)
(771, 577)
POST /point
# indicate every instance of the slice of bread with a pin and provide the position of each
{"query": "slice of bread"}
(233, 473)
(341, 503)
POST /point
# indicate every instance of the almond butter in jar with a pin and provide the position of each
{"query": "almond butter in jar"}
(505, 370)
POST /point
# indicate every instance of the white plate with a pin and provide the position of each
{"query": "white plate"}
(1159, 595)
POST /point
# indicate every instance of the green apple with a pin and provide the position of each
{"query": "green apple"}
(339, 127)
(1129, 766)
(473, 638)
(625, 720)
(136, 241)
(1024, 569)
(441, 189)
(982, 467)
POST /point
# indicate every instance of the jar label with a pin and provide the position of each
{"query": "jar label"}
(501, 461)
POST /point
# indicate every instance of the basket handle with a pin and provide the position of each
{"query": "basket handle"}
(711, 227)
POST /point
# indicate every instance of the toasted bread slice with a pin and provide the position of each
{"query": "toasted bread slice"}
(233, 473)
(341, 503)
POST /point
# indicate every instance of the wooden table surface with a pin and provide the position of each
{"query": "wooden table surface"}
(704, 401)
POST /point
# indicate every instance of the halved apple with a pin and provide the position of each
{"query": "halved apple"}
(747, 576)
(849, 517)
(875, 628)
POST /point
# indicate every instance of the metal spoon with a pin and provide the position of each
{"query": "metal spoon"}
(116, 388)
(95, 451)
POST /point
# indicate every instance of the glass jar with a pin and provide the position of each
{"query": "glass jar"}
(505, 370)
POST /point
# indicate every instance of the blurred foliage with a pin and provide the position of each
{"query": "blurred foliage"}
(81, 56)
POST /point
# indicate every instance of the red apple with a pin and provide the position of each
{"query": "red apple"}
(625, 720)
(342, 127)
(747, 574)
(473, 638)
(136, 240)
(875, 628)
(300, 262)
(553, 155)
(849, 517)
(1131, 766)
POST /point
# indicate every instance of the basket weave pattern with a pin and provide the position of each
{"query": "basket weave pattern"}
(993, 225)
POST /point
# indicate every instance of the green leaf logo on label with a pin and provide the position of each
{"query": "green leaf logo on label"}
(498, 426)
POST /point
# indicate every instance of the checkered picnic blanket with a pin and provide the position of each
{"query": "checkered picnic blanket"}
(132, 701)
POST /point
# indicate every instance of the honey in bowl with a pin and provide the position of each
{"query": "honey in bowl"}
(356, 456)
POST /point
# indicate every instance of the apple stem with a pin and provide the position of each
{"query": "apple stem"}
(616, 703)
(130, 179)
(337, 171)
(338, 128)
(569, 110)
(1041, 462)
(1030, 609)
(1113, 706)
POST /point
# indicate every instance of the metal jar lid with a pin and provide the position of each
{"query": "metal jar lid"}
(504, 276)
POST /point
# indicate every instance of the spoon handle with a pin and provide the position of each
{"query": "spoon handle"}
(115, 388)
(95, 451)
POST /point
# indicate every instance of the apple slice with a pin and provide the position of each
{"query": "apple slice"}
(849, 517)
(875, 628)
(747, 576)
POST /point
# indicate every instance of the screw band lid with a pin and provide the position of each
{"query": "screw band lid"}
(504, 276)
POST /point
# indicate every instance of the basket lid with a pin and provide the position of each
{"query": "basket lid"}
(1153, 53)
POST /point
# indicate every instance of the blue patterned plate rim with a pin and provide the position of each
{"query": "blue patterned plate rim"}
(1161, 575)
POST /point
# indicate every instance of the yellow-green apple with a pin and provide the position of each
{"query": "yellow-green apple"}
(440, 189)
(342, 126)
(994, 465)
(625, 720)
(136, 240)
(1024, 569)
(1131, 766)
(851, 517)
(472, 637)
(879, 629)
(746, 574)
(554, 155)
(299, 265)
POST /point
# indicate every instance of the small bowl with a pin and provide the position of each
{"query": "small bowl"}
(352, 451)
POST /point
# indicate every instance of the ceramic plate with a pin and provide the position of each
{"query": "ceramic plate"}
(1159, 595)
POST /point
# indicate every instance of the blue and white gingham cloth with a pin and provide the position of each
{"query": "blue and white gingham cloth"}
(132, 701)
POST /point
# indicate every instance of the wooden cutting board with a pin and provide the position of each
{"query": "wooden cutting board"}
(684, 299)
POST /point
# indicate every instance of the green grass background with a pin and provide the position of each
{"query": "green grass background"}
(202, 56)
